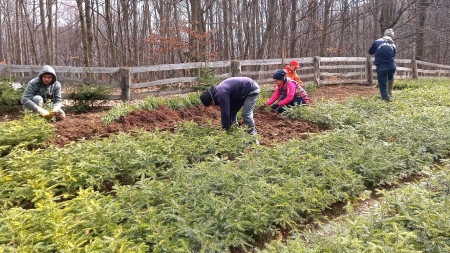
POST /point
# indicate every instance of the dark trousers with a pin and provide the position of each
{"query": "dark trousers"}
(295, 101)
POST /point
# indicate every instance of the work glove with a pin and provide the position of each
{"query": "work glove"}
(42, 111)
(274, 106)
(58, 113)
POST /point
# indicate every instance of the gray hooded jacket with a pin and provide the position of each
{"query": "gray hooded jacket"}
(37, 87)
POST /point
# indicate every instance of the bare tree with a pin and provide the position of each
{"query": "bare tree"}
(47, 58)
(325, 27)
(269, 31)
(420, 45)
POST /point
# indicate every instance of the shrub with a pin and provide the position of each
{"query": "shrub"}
(84, 97)
(9, 97)
(206, 79)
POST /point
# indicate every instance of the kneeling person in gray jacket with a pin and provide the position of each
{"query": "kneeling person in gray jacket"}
(42, 88)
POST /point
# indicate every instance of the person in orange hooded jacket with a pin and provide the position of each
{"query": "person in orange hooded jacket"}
(291, 72)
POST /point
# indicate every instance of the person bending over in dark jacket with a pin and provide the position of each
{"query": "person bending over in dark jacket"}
(231, 95)
(41, 89)
(384, 50)
(288, 91)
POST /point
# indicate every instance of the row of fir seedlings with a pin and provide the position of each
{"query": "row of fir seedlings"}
(411, 218)
(151, 103)
(30, 132)
(153, 192)
(174, 103)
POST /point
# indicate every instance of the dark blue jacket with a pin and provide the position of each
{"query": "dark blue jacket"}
(384, 50)
(230, 96)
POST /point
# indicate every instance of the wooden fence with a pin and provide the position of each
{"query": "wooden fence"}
(131, 83)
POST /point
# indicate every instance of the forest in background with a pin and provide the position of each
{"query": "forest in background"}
(110, 33)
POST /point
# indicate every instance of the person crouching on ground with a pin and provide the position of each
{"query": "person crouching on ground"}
(41, 89)
(231, 95)
(288, 91)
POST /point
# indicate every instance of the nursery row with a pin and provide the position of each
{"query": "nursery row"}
(201, 189)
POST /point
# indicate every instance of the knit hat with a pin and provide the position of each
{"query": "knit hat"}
(206, 97)
(279, 75)
(389, 32)
(294, 63)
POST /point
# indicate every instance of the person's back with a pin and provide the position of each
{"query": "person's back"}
(232, 95)
(384, 51)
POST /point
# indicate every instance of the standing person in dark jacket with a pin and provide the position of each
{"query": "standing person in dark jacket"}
(288, 91)
(41, 89)
(384, 50)
(231, 95)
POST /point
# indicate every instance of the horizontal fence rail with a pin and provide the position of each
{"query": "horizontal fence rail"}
(131, 83)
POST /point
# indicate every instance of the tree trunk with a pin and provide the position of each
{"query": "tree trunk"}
(89, 34)
(44, 33)
(226, 29)
(135, 34)
(55, 37)
(83, 32)
(110, 35)
(325, 27)
(420, 44)
(268, 33)
(387, 15)
(293, 32)
(2, 55)
(344, 27)
(283, 36)
(197, 26)
(50, 31)
(31, 34)
(18, 42)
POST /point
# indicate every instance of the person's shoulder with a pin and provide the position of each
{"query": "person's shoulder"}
(34, 81)
(291, 81)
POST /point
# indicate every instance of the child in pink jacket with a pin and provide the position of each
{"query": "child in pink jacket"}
(288, 91)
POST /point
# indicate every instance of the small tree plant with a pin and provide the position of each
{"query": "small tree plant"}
(84, 97)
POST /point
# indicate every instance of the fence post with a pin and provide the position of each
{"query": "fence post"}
(125, 72)
(369, 70)
(317, 70)
(414, 69)
(235, 68)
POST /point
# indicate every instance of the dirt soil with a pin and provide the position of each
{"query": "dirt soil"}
(272, 127)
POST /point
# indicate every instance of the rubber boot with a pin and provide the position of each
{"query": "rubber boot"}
(390, 86)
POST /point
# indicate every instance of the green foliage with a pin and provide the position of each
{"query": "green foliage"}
(201, 189)
(412, 218)
(90, 222)
(9, 98)
(418, 83)
(310, 87)
(84, 97)
(151, 103)
(206, 79)
(30, 131)
(116, 112)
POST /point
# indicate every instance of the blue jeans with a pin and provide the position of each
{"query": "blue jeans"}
(383, 75)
